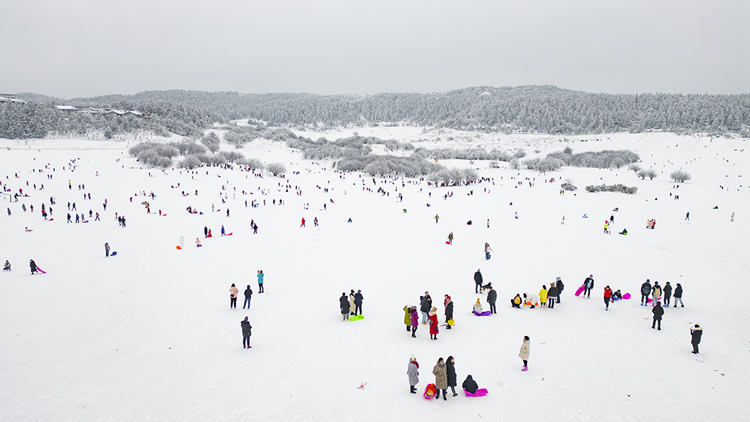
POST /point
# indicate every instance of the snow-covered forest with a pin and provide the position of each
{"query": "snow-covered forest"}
(522, 109)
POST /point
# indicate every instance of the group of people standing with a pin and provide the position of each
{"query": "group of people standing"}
(352, 305)
(445, 377)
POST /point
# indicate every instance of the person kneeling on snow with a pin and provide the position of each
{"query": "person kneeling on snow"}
(6, 267)
(624, 232)
(516, 301)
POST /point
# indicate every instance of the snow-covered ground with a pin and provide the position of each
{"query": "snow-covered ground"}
(149, 335)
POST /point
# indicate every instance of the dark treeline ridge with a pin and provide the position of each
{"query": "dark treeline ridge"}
(36, 120)
(525, 109)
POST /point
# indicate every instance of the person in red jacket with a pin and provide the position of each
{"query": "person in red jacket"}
(607, 297)
(433, 324)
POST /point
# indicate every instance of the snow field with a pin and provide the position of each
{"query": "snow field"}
(148, 335)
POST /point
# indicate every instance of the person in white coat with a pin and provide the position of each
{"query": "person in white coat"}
(524, 353)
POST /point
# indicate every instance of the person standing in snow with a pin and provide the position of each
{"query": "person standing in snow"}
(437, 217)
(413, 372)
(560, 287)
(450, 238)
(106, 250)
(246, 332)
(223, 233)
(260, 282)
(205, 232)
(233, 296)
(551, 295)
(303, 223)
(344, 306)
(414, 319)
(407, 317)
(434, 330)
(33, 266)
(450, 372)
(524, 353)
(487, 250)
(656, 293)
(441, 378)
(478, 280)
(425, 305)
(667, 294)
(448, 303)
(351, 302)
(695, 334)
(658, 312)
(607, 297)
(492, 299)
(543, 296)
(678, 295)
(588, 284)
(645, 291)
(248, 296)
(358, 298)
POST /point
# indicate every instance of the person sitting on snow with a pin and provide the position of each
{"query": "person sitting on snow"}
(624, 232)
(470, 385)
(516, 301)
(478, 307)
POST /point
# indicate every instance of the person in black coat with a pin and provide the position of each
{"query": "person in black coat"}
(478, 281)
(678, 295)
(451, 372)
(344, 305)
(667, 294)
(552, 295)
(696, 334)
(425, 306)
(448, 310)
(33, 267)
(246, 332)
(658, 311)
(491, 299)
(358, 298)
(248, 296)
(560, 287)
(470, 385)
(588, 284)
(645, 291)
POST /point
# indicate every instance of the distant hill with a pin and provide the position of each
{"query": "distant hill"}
(525, 109)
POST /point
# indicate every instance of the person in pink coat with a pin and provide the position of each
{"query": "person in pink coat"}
(233, 296)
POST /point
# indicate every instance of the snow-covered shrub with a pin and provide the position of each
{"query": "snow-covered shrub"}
(232, 156)
(211, 141)
(612, 188)
(679, 176)
(546, 164)
(634, 167)
(276, 168)
(643, 174)
(190, 162)
(252, 163)
(568, 186)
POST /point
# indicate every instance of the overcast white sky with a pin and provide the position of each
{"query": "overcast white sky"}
(76, 48)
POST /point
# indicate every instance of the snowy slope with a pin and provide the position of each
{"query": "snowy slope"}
(148, 334)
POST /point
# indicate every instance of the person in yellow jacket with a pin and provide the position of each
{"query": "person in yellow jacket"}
(543, 296)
